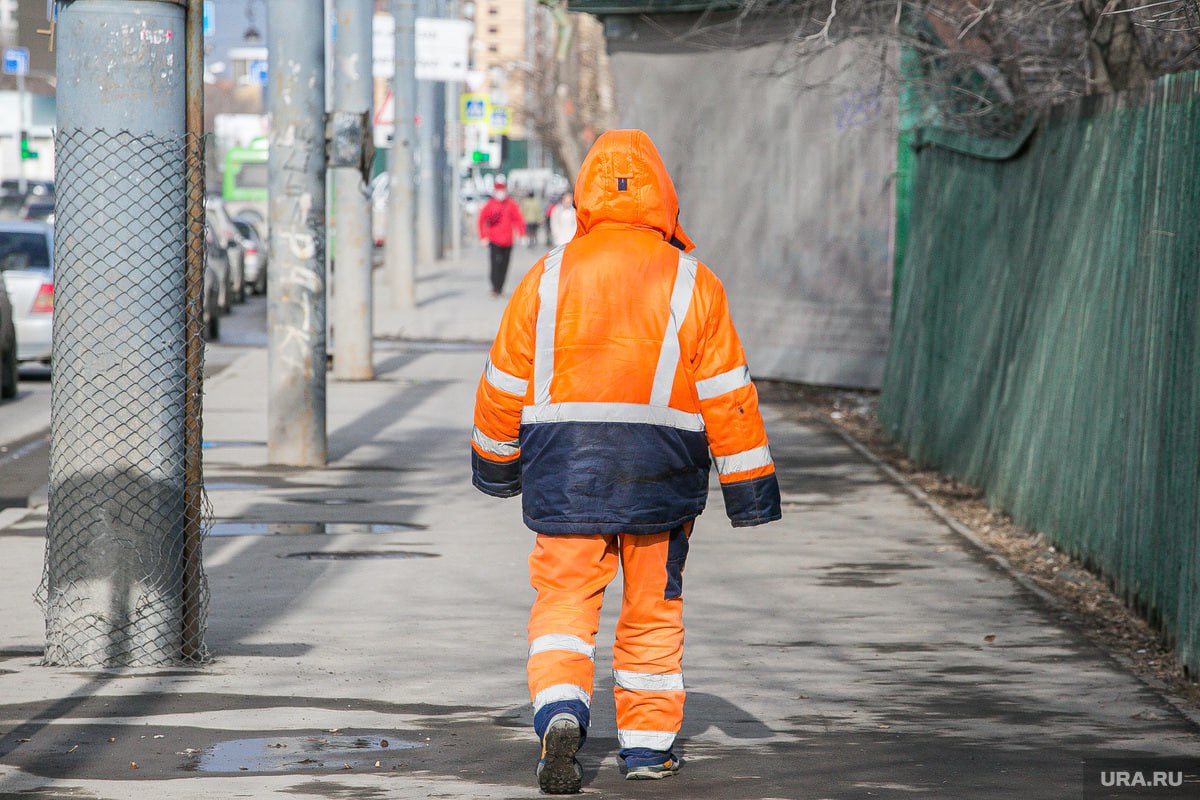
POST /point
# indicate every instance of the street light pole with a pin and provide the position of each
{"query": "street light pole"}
(352, 249)
(296, 282)
(401, 235)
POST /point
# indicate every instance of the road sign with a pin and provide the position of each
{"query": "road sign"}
(383, 46)
(500, 121)
(384, 126)
(443, 47)
(474, 108)
(256, 71)
(210, 16)
(16, 61)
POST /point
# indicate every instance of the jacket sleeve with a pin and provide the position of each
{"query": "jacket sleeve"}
(518, 219)
(734, 425)
(481, 222)
(495, 442)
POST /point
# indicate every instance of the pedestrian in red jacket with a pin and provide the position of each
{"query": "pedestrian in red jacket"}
(500, 221)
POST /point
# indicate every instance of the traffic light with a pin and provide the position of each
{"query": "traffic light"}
(26, 153)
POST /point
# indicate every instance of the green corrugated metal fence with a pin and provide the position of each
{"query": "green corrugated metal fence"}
(1046, 341)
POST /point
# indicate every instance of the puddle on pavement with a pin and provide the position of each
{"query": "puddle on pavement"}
(218, 443)
(234, 486)
(357, 555)
(299, 753)
(307, 528)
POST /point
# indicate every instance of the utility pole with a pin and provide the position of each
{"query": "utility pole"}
(352, 252)
(296, 281)
(116, 577)
(426, 191)
(401, 251)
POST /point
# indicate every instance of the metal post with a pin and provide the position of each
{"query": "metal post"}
(194, 585)
(454, 152)
(425, 155)
(296, 283)
(21, 184)
(352, 248)
(401, 234)
(115, 533)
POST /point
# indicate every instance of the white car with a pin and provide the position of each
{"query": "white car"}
(26, 256)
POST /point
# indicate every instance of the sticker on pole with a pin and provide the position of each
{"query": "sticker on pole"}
(383, 46)
(475, 108)
(16, 61)
(500, 121)
(442, 49)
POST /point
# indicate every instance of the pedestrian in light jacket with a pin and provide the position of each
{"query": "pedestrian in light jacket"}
(500, 222)
(614, 375)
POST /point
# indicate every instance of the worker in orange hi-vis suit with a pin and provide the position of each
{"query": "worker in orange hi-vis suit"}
(615, 372)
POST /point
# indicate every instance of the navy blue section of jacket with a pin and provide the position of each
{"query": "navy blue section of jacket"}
(496, 479)
(752, 502)
(611, 477)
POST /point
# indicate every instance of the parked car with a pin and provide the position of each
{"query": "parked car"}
(26, 256)
(12, 198)
(254, 255)
(212, 302)
(8, 347)
(217, 260)
(38, 209)
(230, 240)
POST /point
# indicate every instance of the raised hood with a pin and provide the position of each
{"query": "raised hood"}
(624, 183)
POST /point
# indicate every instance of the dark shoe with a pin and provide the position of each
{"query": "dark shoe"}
(558, 772)
(654, 772)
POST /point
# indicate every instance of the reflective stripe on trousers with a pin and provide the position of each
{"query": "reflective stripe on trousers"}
(570, 574)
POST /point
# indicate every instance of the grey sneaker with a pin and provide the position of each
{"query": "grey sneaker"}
(654, 772)
(558, 772)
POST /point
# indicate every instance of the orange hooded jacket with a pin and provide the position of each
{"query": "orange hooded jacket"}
(617, 370)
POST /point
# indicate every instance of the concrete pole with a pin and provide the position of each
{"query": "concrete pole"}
(353, 246)
(115, 533)
(454, 151)
(425, 154)
(296, 281)
(401, 251)
(21, 134)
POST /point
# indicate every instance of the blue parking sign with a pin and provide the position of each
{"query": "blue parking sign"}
(16, 61)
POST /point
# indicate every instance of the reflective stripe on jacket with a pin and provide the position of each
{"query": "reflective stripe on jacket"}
(617, 370)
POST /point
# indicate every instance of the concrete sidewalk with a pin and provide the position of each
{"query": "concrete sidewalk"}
(859, 648)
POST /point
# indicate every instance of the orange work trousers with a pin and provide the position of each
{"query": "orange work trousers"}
(570, 574)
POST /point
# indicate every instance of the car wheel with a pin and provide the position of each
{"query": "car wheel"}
(260, 283)
(8, 374)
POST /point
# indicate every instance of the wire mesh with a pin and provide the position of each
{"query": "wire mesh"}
(123, 584)
(1046, 338)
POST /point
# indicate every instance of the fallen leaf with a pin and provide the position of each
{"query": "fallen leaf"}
(383, 742)
(345, 766)
(991, 637)
(73, 749)
(133, 765)
(376, 765)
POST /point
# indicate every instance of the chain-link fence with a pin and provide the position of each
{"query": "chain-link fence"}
(123, 581)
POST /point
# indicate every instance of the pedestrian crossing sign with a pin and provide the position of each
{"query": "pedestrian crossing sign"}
(500, 121)
(475, 108)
